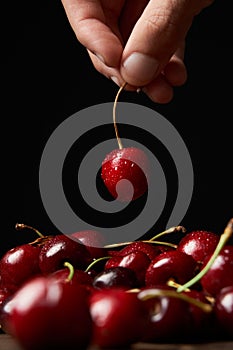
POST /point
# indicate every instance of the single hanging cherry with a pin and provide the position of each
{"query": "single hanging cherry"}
(124, 166)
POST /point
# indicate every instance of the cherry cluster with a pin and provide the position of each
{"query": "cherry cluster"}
(68, 292)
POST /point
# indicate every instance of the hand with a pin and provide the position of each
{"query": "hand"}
(140, 42)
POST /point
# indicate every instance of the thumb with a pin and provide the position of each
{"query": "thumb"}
(155, 38)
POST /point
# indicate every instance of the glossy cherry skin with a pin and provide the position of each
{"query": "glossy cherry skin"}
(198, 244)
(201, 322)
(220, 274)
(223, 310)
(60, 249)
(79, 277)
(136, 261)
(130, 164)
(93, 240)
(5, 313)
(50, 315)
(170, 265)
(4, 295)
(18, 264)
(116, 277)
(169, 318)
(119, 318)
(150, 249)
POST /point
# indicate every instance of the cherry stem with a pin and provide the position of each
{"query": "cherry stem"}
(222, 241)
(173, 294)
(174, 229)
(172, 283)
(122, 244)
(23, 226)
(162, 243)
(71, 271)
(114, 116)
(96, 261)
(116, 245)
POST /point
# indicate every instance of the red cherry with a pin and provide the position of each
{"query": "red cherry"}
(123, 164)
(18, 264)
(79, 277)
(4, 295)
(93, 240)
(170, 265)
(5, 314)
(150, 249)
(47, 315)
(130, 164)
(213, 264)
(119, 318)
(136, 261)
(169, 318)
(60, 249)
(198, 244)
(220, 274)
(223, 310)
(116, 277)
(201, 319)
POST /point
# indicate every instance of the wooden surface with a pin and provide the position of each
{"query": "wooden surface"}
(7, 343)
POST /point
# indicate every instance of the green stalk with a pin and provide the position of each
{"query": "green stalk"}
(173, 294)
(71, 271)
(174, 229)
(116, 245)
(161, 243)
(96, 261)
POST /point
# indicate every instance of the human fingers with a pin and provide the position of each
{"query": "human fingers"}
(175, 71)
(156, 37)
(96, 28)
(109, 72)
(131, 12)
(159, 90)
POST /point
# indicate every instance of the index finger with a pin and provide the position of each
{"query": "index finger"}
(90, 25)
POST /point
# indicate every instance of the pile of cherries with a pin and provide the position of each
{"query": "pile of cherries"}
(68, 292)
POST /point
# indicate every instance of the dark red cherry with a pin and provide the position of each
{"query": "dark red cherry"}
(168, 316)
(60, 249)
(18, 264)
(150, 249)
(201, 320)
(5, 314)
(4, 295)
(220, 274)
(93, 240)
(50, 315)
(114, 277)
(136, 261)
(119, 318)
(78, 277)
(130, 164)
(223, 310)
(198, 244)
(174, 265)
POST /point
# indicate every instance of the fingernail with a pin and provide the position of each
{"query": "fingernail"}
(140, 66)
(97, 55)
(115, 80)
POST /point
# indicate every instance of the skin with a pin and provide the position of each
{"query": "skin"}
(156, 30)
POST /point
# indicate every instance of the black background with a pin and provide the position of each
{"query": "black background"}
(49, 77)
